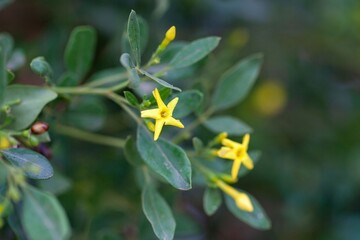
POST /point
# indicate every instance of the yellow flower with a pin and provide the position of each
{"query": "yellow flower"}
(162, 114)
(242, 200)
(237, 152)
(4, 142)
(169, 37)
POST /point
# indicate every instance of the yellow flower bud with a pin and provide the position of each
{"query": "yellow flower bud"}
(4, 142)
(150, 125)
(241, 199)
(171, 34)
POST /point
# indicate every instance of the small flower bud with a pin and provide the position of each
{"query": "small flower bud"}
(171, 34)
(39, 128)
(33, 141)
(4, 142)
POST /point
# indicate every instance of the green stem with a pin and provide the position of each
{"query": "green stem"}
(80, 90)
(185, 134)
(122, 103)
(90, 137)
(107, 80)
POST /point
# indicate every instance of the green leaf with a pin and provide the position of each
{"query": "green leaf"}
(189, 101)
(144, 33)
(159, 81)
(32, 98)
(235, 84)
(165, 158)
(41, 67)
(212, 200)
(231, 125)
(194, 52)
(257, 218)
(108, 77)
(133, 31)
(3, 75)
(134, 78)
(32, 163)
(7, 43)
(43, 217)
(16, 60)
(131, 152)
(86, 112)
(130, 97)
(159, 214)
(198, 145)
(79, 52)
(4, 3)
(3, 173)
(58, 184)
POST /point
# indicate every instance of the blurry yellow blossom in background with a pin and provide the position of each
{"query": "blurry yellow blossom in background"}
(269, 98)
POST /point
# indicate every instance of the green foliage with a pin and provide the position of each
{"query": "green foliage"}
(79, 52)
(160, 81)
(41, 67)
(257, 218)
(227, 124)
(134, 78)
(43, 217)
(131, 99)
(3, 74)
(235, 84)
(194, 52)
(133, 31)
(31, 102)
(166, 159)
(211, 200)
(189, 101)
(32, 163)
(158, 212)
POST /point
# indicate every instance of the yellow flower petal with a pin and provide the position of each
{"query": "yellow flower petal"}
(235, 168)
(158, 99)
(246, 140)
(226, 152)
(174, 122)
(171, 105)
(248, 162)
(158, 127)
(151, 113)
(229, 143)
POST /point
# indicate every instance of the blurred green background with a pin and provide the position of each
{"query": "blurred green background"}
(305, 110)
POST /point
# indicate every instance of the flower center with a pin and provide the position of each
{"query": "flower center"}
(164, 113)
(239, 152)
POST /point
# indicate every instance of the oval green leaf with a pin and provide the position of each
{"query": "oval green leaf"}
(32, 100)
(194, 52)
(43, 217)
(131, 153)
(132, 100)
(3, 75)
(160, 81)
(228, 124)
(133, 31)
(212, 200)
(79, 52)
(159, 214)
(235, 84)
(165, 158)
(189, 101)
(32, 163)
(257, 218)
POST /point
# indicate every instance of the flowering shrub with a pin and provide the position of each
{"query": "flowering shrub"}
(164, 117)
